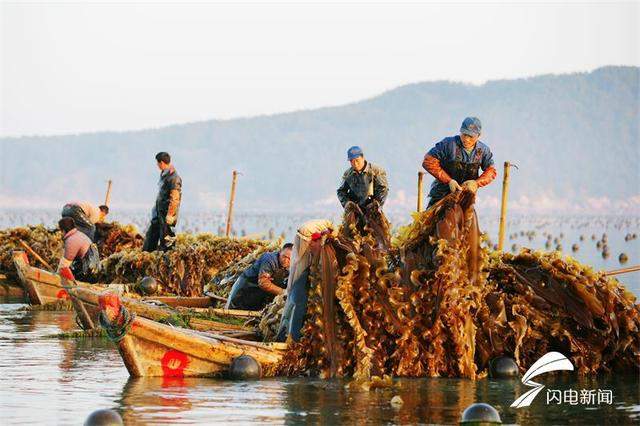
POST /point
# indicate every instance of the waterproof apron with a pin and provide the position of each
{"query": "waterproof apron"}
(459, 171)
(295, 307)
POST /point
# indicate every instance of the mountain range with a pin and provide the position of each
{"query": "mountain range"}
(574, 138)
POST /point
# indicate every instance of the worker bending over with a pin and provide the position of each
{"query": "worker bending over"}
(85, 215)
(261, 282)
(80, 254)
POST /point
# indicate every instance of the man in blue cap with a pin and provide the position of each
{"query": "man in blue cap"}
(363, 182)
(455, 162)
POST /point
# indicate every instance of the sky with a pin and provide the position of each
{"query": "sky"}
(81, 67)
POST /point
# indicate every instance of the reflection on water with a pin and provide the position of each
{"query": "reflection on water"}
(57, 381)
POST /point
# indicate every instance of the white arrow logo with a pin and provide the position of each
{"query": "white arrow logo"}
(551, 361)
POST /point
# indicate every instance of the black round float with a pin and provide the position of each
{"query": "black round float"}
(104, 418)
(148, 286)
(245, 367)
(480, 414)
(623, 258)
(503, 367)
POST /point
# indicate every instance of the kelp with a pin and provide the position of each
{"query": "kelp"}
(48, 243)
(438, 304)
(546, 302)
(113, 237)
(269, 321)
(58, 305)
(184, 270)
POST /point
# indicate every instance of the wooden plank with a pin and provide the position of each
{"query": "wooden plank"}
(230, 312)
(185, 302)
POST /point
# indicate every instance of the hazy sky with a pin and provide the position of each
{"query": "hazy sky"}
(68, 68)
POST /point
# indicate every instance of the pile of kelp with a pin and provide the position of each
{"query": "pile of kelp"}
(112, 237)
(48, 243)
(437, 304)
(222, 281)
(193, 261)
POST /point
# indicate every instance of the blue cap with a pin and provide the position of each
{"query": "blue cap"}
(471, 126)
(354, 152)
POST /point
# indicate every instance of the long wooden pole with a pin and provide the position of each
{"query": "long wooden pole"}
(503, 208)
(107, 198)
(231, 200)
(34, 254)
(420, 176)
(81, 310)
(623, 270)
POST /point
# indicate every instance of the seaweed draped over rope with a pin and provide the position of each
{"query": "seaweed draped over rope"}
(437, 304)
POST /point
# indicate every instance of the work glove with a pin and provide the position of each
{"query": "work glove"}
(454, 186)
(170, 220)
(470, 185)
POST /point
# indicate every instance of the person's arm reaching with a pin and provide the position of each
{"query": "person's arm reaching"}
(432, 165)
(432, 162)
(343, 191)
(265, 282)
(489, 172)
(69, 255)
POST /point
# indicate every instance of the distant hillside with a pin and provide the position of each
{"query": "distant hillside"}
(575, 139)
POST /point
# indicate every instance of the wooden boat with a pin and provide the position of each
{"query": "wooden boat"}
(41, 286)
(149, 348)
(45, 287)
(86, 304)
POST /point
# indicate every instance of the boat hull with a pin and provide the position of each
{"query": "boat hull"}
(151, 349)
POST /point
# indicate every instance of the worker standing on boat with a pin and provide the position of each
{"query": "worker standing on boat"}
(164, 215)
(80, 254)
(363, 183)
(307, 241)
(256, 287)
(455, 162)
(85, 216)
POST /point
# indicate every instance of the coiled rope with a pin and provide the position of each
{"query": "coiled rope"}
(116, 330)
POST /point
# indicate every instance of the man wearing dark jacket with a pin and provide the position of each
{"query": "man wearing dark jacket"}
(363, 182)
(164, 215)
(455, 162)
(261, 282)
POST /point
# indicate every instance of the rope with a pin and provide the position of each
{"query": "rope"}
(79, 323)
(116, 331)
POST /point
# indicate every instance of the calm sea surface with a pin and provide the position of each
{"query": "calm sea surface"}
(48, 380)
